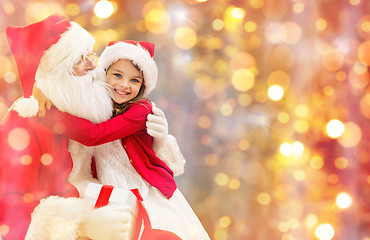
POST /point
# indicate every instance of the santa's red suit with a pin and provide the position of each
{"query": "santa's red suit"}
(35, 164)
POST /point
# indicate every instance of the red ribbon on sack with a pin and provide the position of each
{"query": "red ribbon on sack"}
(143, 228)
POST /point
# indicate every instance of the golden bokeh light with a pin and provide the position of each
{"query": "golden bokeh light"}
(351, 136)
(343, 200)
(264, 199)
(317, 162)
(46, 159)
(335, 128)
(324, 232)
(275, 92)
(341, 163)
(222, 179)
(185, 37)
(243, 79)
(19, 139)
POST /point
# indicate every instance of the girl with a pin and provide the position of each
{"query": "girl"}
(130, 73)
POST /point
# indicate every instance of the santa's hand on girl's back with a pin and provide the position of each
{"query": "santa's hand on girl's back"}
(157, 127)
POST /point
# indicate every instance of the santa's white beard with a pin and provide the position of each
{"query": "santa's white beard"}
(86, 96)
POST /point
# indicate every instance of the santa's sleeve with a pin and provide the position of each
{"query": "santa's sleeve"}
(89, 134)
(58, 218)
(172, 156)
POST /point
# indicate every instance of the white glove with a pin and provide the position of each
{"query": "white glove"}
(111, 222)
(157, 127)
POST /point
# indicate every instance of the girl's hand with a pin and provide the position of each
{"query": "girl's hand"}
(157, 127)
(44, 103)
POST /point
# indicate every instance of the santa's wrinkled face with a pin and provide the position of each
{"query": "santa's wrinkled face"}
(125, 80)
(85, 64)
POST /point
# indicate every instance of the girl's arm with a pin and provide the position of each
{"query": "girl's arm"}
(89, 134)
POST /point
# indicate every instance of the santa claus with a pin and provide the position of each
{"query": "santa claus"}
(35, 159)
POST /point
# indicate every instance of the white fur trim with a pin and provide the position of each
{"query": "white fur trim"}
(172, 156)
(26, 107)
(73, 43)
(138, 55)
(58, 218)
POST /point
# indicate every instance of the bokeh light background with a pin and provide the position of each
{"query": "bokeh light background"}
(268, 99)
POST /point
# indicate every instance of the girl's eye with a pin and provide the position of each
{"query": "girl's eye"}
(117, 75)
(135, 80)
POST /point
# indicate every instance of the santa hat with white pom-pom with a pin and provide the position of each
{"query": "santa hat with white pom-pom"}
(54, 40)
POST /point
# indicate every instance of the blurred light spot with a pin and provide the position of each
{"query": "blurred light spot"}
(317, 162)
(244, 145)
(273, 32)
(185, 37)
(226, 109)
(157, 20)
(234, 184)
(365, 105)
(8, 8)
(343, 200)
(225, 221)
(72, 9)
(46, 159)
(298, 7)
(290, 32)
(334, 128)
(279, 52)
(220, 234)
(26, 159)
(279, 78)
(363, 52)
(328, 90)
(211, 159)
(276, 93)
(324, 231)
(284, 227)
(299, 175)
(354, 2)
(205, 140)
(256, 3)
(333, 178)
(321, 24)
(352, 135)
(243, 79)
(4, 230)
(28, 197)
(244, 99)
(19, 139)
(341, 76)
(10, 77)
(243, 60)
(311, 221)
(103, 9)
(287, 236)
(286, 149)
(283, 117)
(264, 199)
(37, 11)
(301, 110)
(218, 24)
(298, 148)
(59, 128)
(358, 81)
(360, 67)
(204, 87)
(332, 60)
(250, 26)
(204, 122)
(238, 13)
(341, 163)
(221, 179)
(301, 126)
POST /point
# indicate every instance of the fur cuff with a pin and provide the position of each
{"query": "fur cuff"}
(57, 218)
(172, 156)
(26, 107)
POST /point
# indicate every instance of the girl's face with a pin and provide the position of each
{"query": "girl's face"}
(125, 80)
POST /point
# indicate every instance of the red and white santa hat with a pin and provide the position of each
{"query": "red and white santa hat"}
(139, 52)
(54, 42)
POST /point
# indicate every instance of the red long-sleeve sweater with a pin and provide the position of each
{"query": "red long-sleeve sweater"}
(131, 128)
